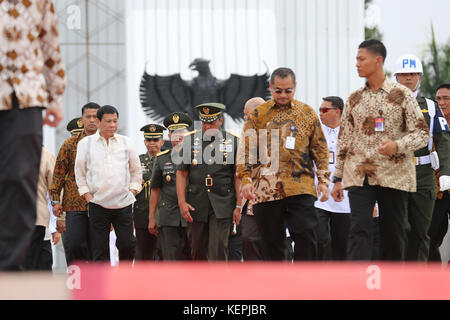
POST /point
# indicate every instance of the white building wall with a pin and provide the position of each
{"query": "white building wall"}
(317, 39)
(92, 36)
(320, 43)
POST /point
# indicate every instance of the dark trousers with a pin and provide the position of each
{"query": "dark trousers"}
(20, 147)
(251, 238)
(375, 239)
(46, 260)
(333, 227)
(122, 220)
(298, 213)
(235, 244)
(78, 237)
(392, 206)
(439, 226)
(174, 243)
(145, 244)
(34, 250)
(209, 240)
(420, 211)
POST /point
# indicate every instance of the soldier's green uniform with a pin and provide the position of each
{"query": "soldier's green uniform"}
(211, 189)
(146, 243)
(172, 233)
(421, 203)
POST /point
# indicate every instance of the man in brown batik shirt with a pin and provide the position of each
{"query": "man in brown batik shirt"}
(280, 183)
(382, 125)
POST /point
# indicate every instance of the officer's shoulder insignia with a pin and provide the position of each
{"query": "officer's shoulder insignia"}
(234, 134)
(163, 152)
(424, 110)
(190, 133)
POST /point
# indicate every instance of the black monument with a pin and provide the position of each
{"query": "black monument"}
(161, 95)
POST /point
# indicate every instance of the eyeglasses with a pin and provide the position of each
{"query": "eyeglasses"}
(325, 110)
(280, 91)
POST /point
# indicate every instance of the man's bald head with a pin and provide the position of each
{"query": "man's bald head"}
(252, 104)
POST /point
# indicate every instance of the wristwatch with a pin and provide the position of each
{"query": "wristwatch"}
(54, 202)
(336, 179)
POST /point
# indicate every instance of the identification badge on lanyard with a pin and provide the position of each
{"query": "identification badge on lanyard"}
(290, 141)
(331, 157)
(225, 147)
(379, 122)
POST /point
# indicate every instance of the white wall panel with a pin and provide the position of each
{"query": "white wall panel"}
(318, 40)
(237, 36)
(94, 55)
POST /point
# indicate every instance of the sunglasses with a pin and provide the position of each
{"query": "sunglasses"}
(280, 91)
(325, 110)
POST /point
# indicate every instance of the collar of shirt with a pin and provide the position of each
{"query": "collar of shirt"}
(151, 158)
(99, 137)
(272, 104)
(329, 130)
(386, 86)
(81, 135)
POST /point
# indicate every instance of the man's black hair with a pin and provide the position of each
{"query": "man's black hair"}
(90, 105)
(443, 86)
(107, 109)
(282, 73)
(376, 47)
(336, 102)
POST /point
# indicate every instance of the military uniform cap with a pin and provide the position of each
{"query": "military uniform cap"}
(177, 120)
(153, 131)
(75, 126)
(210, 112)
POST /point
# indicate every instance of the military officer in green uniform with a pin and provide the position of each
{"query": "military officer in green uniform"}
(75, 126)
(211, 202)
(146, 243)
(170, 227)
(435, 155)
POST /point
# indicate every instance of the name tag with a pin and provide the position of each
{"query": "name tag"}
(290, 143)
(379, 124)
(331, 157)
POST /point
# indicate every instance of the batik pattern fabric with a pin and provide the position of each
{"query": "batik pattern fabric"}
(275, 170)
(30, 55)
(64, 176)
(359, 139)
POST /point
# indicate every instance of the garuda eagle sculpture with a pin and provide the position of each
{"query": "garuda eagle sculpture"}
(162, 95)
